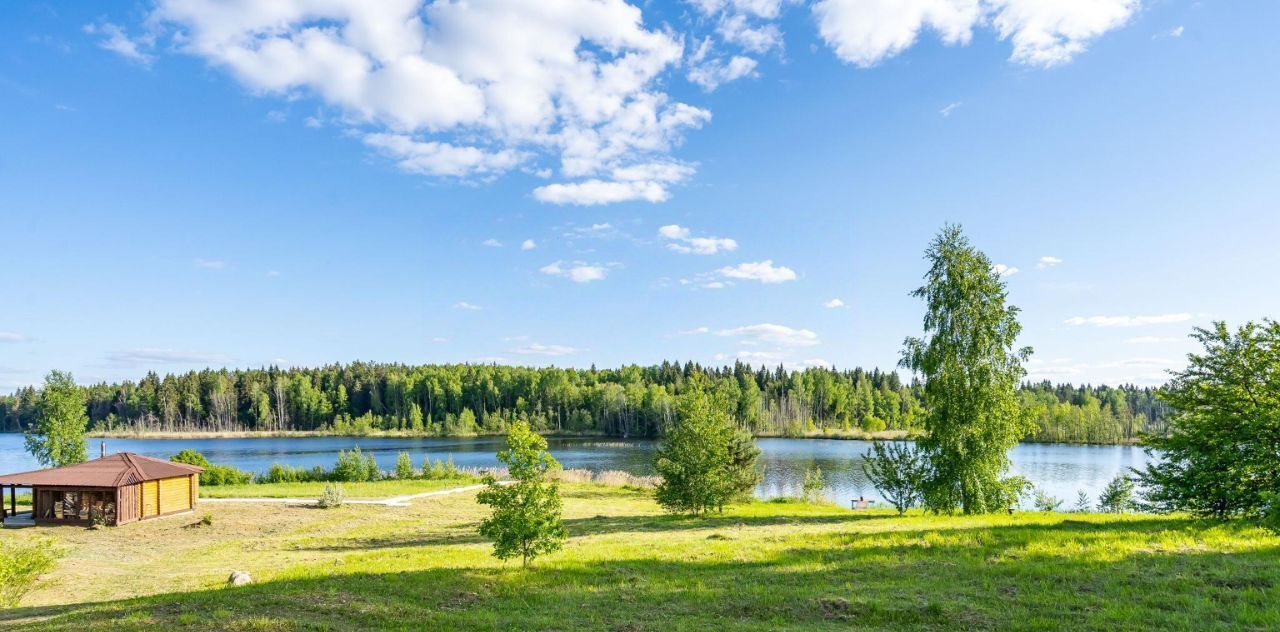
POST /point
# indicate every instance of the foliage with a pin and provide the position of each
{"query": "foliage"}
(404, 466)
(21, 564)
(207, 519)
(442, 470)
(284, 473)
(1118, 496)
(224, 475)
(897, 471)
(57, 436)
(1222, 456)
(333, 496)
(190, 457)
(354, 466)
(705, 461)
(1043, 501)
(814, 483)
(1083, 504)
(971, 372)
(527, 513)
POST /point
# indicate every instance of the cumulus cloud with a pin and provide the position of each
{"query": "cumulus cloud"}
(492, 243)
(768, 333)
(1043, 33)
(713, 73)
(1004, 270)
(465, 305)
(536, 348)
(684, 242)
(460, 89)
(1127, 321)
(834, 303)
(578, 271)
(762, 271)
(528, 244)
(1047, 262)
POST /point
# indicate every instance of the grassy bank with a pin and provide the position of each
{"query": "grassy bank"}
(253, 434)
(763, 566)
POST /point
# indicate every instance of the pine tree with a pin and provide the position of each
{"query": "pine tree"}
(704, 460)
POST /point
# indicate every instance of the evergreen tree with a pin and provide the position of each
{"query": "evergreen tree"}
(57, 437)
(705, 461)
(971, 372)
(527, 514)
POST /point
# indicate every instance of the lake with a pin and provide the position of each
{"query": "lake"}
(1060, 469)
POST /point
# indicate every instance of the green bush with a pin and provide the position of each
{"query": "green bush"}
(190, 457)
(21, 563)
(1118, 496)
(1044, 502)
(814, 482)
(355, 466)
(897, 471)
(281, 473)
(224, 475)
(404, 467)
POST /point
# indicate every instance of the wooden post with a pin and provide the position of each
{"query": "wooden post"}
(13, 499)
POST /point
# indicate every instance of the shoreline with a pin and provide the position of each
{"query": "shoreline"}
(884, 435)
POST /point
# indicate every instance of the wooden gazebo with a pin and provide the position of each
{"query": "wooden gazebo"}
(116, 489)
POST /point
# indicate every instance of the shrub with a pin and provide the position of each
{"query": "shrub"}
(224, 475)
(1044, 502)
(442, 470)
(354, 466)
(814, 482)
(207, 519)
(1117, 496)
(333, 496)
(281, 473)
(1083, 504)
(527, 514)
(21, 563)
(190, 457)
(404, 466)
(897, 471)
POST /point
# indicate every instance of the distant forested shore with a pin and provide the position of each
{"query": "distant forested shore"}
(632, 401)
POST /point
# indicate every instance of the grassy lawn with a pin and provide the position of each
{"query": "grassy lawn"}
(375, 490)
(763, 566)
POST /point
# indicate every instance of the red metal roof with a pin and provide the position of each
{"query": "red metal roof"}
(119, 469)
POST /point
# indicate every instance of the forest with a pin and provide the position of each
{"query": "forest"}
(632, 401)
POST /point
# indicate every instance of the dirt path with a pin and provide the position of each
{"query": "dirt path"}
(394, 501)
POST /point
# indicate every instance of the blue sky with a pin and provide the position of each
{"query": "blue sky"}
(186, 183)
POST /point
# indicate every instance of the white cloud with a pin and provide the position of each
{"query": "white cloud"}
(1127, 321)
(695, 330)
(135, 357)
(768, 333)
(1044, 33)
(578, 272)
(492, 243)
(465, 305)
(432, 158)
(458, 89)
(528, 244)
(1151, 340)
(536, 348)
(9, 336)
(949, 108)
(713, 73)
(833, 303)
(1047, 262)
(116, 41)
(686, 243)
(210, 264)
(439, 339)
(762, 271)
(1004, 270)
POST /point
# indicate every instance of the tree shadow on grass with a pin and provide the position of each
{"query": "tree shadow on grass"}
(1034, 576)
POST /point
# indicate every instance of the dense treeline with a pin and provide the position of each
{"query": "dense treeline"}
(632, 401)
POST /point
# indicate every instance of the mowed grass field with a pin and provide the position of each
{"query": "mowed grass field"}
(354, 491)
(627, 566)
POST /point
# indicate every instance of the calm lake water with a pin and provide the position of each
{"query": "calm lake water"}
(1061, 470)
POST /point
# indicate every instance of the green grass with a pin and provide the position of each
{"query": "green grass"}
(626, 566)
(367, 490)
